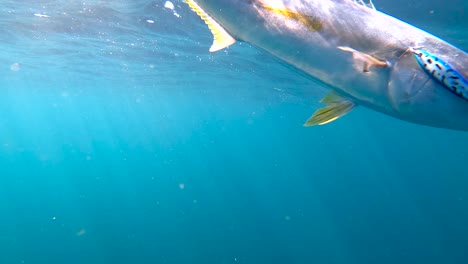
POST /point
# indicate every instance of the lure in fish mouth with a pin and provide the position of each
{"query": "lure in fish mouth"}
(363, 56)
(442, 72)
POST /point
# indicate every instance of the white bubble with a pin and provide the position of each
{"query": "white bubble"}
(41, 15)
(81, 232)
(150, 21)
(169, 5)
(15, 66)
(181, 186)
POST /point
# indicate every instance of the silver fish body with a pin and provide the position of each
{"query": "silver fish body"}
(360, 53)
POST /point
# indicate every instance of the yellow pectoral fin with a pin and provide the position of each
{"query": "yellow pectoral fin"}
(337, 107)
(332, 98)
(221, 39)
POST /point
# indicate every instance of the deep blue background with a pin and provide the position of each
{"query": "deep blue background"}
(125, 141)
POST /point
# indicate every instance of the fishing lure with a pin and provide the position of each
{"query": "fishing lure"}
(442, 72)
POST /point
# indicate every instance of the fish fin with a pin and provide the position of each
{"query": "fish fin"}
(365, 68)
(368, 60)
(221, 39)
(362, 3)
(337, 107)
(332, 98)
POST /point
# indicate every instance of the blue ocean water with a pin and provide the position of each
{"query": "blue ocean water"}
(123, 140)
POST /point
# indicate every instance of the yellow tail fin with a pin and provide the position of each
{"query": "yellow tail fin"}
(221, 39)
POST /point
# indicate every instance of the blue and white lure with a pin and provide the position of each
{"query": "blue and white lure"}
(442, 72)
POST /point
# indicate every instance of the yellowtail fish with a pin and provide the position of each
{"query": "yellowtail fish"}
(362, 55)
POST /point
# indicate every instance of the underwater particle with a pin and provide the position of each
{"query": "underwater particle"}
(41, 15)
(287, 218)
(150, 21)
(169, 5)
(81, 232)
(54, 218)
(15, 66)
(181, 186)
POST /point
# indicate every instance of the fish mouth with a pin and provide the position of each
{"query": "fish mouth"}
(407, 82)
(417, 86)
(417, 97)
